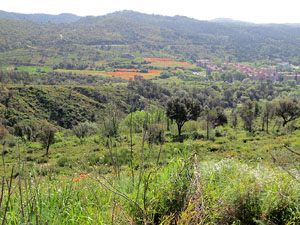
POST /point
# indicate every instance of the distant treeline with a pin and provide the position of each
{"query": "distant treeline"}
(54, 78)
(150, 34)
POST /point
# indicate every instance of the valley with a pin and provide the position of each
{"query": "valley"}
(132, 118)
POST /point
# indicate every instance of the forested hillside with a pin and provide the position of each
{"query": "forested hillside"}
(177, 36)
(40, 18)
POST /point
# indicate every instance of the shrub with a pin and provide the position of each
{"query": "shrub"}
(47, 170)
(171, 197)
(42, 160)
(29, 158)
(246, 209)
(62, 162)
(282, 213)
(11, 141)
(93, 159)
(196, 135)
(218, 133)
(3, 133)
(85, 129)
(215, 147)
(180, 138)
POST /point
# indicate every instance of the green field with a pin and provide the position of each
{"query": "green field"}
(84, 72)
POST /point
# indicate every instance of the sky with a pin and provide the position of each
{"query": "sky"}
(257, 11)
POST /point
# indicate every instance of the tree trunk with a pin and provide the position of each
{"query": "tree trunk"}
(284, 123)
(207, 131)
(47, 148)
(48, 144)
(207, 126)
(179, 126)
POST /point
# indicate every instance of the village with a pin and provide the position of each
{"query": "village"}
(268, 73)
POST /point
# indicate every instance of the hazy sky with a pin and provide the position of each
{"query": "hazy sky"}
(258, 11)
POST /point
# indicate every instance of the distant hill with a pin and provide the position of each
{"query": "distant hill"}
(228, 20)
(40, 18)
(150, 35)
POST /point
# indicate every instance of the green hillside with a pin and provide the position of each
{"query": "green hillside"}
(151, 35)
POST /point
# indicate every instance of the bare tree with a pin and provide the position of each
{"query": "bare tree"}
(110, 130)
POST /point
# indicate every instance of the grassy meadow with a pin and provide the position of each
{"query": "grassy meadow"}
(235, 177)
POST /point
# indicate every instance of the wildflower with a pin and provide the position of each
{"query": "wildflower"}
(76, 180)
(83, 175)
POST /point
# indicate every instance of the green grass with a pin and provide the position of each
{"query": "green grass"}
(85, 72)
(236, 193)
(29, 69)
(231, 192)
(234, 178)
(34, 69)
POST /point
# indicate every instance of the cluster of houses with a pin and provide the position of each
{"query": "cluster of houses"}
(270, 73)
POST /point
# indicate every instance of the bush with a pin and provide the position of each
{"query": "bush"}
(171, 199)
(11, 141)
(42, 160)
(85, 129)
(218, 133)
(179, 138)
(62, 162)
(282, 213)
(47, 171)
(247, 209)
(3, 133)
(123, 157)
(29, 158)
(93, 159)
(215, 147)
(196, 135)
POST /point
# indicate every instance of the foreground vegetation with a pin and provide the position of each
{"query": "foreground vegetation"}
(133, 171)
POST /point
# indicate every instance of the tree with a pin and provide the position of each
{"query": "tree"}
(268, 112)
(22, 130)
(220, 118)
(47, 135)
(250, 110)
(85, 129)
(234, 119)
(288, 110)
(3, 133)
(208, 114)
(214, 118)
(182, 110)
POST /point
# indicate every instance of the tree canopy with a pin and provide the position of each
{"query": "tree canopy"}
(182, 110)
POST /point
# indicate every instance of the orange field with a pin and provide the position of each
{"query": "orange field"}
(125, 70)
(154, 71)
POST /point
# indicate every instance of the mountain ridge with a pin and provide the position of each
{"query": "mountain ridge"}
(139, 33)
(71, 18)
(40, 17)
